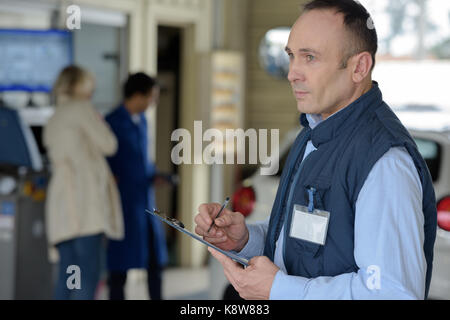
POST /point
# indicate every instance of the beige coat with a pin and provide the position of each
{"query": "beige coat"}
(82, 195)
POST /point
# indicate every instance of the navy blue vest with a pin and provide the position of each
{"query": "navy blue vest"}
(348, 145)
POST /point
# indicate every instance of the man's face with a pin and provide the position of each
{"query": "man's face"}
(150, 98)
(316, 47)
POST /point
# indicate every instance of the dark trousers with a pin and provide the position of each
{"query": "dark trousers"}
(117, 280)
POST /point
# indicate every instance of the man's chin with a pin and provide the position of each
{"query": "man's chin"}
(304, 107)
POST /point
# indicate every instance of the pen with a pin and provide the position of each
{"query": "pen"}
(218, 214)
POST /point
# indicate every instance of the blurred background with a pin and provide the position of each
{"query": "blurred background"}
(221, 62)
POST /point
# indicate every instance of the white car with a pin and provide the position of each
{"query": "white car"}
(430, 128)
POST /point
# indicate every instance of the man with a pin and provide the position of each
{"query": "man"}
(354, 216)
(144, 243)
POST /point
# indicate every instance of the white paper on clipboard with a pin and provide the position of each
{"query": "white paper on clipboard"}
(180, 227)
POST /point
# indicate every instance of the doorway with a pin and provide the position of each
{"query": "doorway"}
(167, 120)
(98, 48)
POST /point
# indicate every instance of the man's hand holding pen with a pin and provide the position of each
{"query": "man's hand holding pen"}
(230, 232)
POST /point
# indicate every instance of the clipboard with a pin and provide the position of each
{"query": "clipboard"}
(180, 227)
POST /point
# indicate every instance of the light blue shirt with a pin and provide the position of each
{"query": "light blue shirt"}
(389, 239)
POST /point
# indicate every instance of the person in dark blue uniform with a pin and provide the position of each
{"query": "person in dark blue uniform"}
(144, 243)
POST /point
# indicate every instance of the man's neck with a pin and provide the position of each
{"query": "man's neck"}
(129, 106)
(359, 91)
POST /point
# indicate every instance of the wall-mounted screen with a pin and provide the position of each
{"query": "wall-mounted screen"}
(30, 60)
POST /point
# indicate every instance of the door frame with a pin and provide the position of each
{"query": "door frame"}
(194, 21)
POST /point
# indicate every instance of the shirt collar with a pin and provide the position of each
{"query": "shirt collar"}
(323, 131)
(315, 119)
(134, 118)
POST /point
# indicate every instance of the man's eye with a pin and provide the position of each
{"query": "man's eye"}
(310, 58)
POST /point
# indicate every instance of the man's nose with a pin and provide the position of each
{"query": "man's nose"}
(295, 72)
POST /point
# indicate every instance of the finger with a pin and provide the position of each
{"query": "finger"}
(208, 211)
(213, 233)
(253, 261)
(202, 218)
(199, 231)
(214, 209)
(228, 218)
(212, 230)
(219, 256)
(216, 240)
(230, 268)
(205, 210)
(234, 280)
(201, 226)
(226, 262)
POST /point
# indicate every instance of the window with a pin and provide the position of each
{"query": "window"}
(413, 60)
(431, 152)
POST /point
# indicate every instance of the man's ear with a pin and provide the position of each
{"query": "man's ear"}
(362, 66)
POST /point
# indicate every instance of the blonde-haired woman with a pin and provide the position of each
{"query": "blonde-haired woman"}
(83, 205)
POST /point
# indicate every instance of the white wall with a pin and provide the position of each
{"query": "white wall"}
(414, 82)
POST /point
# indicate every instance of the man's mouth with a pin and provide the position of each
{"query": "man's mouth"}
(299, 94)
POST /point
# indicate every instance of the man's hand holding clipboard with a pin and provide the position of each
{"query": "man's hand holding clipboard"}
(180, 227)
(230, 232)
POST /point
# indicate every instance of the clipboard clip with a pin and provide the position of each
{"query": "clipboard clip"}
(172, 220)
(177, 224)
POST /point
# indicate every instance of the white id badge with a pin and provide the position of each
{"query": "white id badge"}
(309, 226)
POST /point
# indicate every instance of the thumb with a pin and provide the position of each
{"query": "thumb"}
(228, 219)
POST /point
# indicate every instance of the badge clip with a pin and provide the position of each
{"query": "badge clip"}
(311, 192)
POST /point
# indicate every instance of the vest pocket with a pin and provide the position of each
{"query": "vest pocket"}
(321, 185)
(306, 248)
